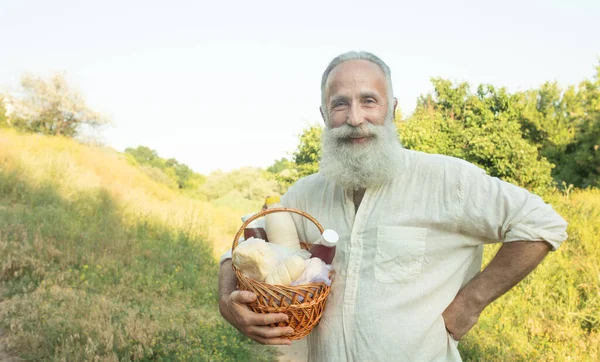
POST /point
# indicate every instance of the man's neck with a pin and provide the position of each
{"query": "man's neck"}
(358, 196)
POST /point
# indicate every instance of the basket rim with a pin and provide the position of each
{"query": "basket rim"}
(272, 211)
(258, 215)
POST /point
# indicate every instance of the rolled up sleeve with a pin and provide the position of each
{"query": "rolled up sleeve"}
(501, 212)
(226, 256)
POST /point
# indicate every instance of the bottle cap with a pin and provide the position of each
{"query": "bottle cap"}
(272, 200)
(329, 238)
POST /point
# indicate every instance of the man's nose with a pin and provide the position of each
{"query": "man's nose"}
(356, 116)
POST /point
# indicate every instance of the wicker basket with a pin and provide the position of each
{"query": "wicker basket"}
(303, 304)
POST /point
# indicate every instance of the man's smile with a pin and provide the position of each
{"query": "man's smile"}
(358, 139)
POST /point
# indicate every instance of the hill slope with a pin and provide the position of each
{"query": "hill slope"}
(99, 262)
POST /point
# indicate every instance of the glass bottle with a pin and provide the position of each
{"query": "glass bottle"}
(324, 248)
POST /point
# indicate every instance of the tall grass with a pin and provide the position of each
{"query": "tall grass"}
(554, 314)
(100, 263)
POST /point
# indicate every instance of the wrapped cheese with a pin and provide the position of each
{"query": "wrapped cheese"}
(255, 258)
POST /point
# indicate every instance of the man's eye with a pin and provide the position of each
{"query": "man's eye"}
(370, 100)
(338, 105)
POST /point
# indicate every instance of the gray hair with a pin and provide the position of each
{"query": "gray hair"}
(360, 55)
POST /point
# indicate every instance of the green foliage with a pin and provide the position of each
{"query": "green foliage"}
(146, 156)
(580, 163)
(244, 189)
(279, 165)
(166, 171)
(309, 149)
(308, 153)
(584, 154)
(482, 128)
(546, 117)
(305, 159)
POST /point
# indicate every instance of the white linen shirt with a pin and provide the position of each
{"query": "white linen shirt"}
(410, 247)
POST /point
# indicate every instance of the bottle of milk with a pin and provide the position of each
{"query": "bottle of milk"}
(280, 226)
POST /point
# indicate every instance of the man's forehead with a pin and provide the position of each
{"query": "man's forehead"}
(355, 72)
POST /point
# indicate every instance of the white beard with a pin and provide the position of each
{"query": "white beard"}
(362, 165)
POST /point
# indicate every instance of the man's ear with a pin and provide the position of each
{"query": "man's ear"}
(395, 105)
(322, 115)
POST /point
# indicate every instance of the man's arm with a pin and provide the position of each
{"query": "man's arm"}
(232, 305)
(497, 211)
(511, 264)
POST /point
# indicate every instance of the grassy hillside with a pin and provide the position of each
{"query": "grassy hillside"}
(554, 314)
(99, 262)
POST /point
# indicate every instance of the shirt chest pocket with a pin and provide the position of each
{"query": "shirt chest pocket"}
(400, 253)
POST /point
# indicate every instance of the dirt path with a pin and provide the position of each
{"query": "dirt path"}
(297, 352)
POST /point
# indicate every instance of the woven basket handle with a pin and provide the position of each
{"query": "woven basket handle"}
(271, 211)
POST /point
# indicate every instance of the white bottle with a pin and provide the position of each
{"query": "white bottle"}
(280, 226)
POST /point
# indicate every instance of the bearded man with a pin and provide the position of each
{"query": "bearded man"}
(412, 227)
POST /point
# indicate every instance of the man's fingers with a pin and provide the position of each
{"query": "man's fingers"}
(273, 341)
(242, 297)
(266, 319)
(270, 332)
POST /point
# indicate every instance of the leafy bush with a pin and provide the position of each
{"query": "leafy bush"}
(482, 128)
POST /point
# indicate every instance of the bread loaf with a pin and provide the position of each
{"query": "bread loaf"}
(255, 259)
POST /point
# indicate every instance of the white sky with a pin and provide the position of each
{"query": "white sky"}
(221, 85)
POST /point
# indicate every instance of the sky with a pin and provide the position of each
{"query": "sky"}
(230, 84)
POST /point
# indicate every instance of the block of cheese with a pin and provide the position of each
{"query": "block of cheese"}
(255, 259)
(286, 272)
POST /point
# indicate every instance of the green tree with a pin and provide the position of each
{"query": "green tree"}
(280, 165)
(482, 128)
(51, 107)
(186, 177)
(585, 154)
(562, 124)
(307, 155)
(180, 174)
(580, 164)
(284, 172)
(305, 159)
(143, 154)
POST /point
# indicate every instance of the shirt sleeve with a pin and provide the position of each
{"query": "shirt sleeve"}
(226, 256)
(502, 212)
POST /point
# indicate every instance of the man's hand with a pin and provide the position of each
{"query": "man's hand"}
(460, 317)
(254, 325)
(509, 266)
